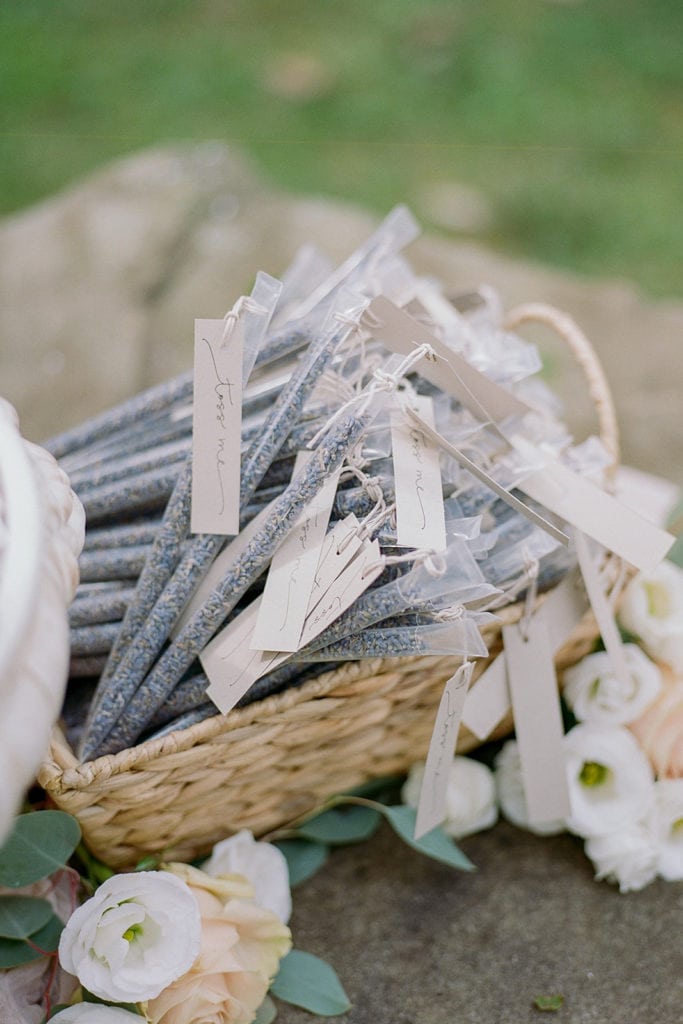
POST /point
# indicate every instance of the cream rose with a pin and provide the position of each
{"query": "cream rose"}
(136, 935)
(668, 823)
(510, 790)
(470, 796)
(262, 864)
(241, 947)
(652, 608)
(596, 694)
(627, 857)
(95, 1013)
(611, 785)
(659, 730)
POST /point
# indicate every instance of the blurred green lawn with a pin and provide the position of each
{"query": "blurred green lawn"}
(567, 116)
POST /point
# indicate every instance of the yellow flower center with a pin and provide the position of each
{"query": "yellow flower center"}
(594, 774)
(132, 932)
(658, 601)
(677, 827)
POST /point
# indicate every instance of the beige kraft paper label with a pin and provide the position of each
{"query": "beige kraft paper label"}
(583, 504)
(486, 400)
(216, 428)
(420, 518)
(538, 720)
(602, 611)
(431, 808)
(488, 700)
(290, 579)
(232, 666)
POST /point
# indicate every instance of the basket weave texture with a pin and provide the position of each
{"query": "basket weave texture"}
(275, 761)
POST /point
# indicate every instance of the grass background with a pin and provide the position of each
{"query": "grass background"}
(566, 116)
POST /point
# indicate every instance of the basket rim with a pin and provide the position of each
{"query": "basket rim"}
(62, 770)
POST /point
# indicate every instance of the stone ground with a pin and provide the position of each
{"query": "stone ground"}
(98, 288)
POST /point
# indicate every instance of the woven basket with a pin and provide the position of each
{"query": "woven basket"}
(272, 762)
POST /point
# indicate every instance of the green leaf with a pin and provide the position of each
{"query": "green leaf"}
(40, 843)
(14, 952)
(377, 789)
(551, 1003)
(341, 825)
(435, 844)
(308, 982)
(266, 1012)
(21, 916)
(304, 857)
(676, 553)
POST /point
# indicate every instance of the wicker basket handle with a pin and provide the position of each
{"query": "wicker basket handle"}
(586, 357)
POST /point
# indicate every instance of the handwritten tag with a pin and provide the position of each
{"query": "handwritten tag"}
(230, 664)
(292, 572)
(216, 428)
(488, 700)
(487, 401)
(365, 567)
(431, 808)
(420, 517)
(602, 611)
(340, 545)
(583, 504)
(538, 720)
(476, 471)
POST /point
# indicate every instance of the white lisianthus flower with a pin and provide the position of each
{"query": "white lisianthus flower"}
(470, 796)
(136, 935)
(510, 789)
(262, 864)
(611, 785)
(668, 823)
(627, 857)
(595, 694)
(652, 608)
(95, 1013)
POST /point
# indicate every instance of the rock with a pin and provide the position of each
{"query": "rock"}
(99, 287)
(455, 207)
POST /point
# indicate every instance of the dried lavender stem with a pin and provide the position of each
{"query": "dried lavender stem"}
(114, 419)
(127, 712)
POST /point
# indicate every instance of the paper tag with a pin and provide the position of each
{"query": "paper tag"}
(583, 504)
(290, 579)
(216, 427)
(482, 475)
(220, 566)
(420, 517)
(340, 545)
(602, 611)
(538, 720)
(488, 700)
(347, 588)
(230, 664)
(486, 400)
(432, 804)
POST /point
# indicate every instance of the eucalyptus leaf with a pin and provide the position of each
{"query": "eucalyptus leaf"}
(676, 553)
(549, 1003)
(266, 1013)
(15, 952)
(435, 844)
(21, 916)
(40, 843)
(339, 826)
(304, 857)
(306, 981)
